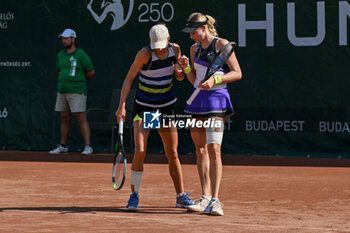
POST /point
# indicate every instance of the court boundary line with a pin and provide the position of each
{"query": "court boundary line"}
(282, 227)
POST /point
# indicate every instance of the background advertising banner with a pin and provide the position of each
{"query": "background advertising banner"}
(293, 98)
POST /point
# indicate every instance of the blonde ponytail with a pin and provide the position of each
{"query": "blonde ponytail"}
(211, 27)
(199, 17)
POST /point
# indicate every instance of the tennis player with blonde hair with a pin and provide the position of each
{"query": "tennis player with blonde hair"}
(213, 101)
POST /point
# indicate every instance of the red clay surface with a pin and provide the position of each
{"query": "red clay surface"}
(67, 194)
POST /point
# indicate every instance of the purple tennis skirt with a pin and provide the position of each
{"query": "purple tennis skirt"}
(210, 103)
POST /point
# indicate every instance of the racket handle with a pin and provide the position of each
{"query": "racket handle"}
(121, 124)
(194, 94)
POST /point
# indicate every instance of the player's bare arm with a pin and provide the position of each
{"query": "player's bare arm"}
(140, 60)
(177, 66)
(235, 73)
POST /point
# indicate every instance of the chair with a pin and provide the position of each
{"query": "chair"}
(110, 122)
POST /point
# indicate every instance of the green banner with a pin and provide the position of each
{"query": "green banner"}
(293, 98)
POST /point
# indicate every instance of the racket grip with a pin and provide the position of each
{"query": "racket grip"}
(194, 94)
(121, 124)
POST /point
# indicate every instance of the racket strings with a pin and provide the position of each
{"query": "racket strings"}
(225, 53)
(119, 173)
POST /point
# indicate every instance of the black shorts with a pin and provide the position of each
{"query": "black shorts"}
(166, 111)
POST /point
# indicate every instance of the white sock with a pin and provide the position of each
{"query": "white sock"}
(135, 179)
(180, 194)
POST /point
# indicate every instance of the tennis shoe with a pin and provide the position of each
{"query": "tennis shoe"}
(87, 150)
(59, 150)
(184, 201)
(216, 208)
(133, 203)
(201, 205)
(208, 208)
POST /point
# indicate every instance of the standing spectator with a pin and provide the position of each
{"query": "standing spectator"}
(74, 67)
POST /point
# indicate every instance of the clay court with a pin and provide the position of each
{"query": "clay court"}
(71, 193)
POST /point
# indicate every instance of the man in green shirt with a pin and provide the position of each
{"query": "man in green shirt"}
(74, 67)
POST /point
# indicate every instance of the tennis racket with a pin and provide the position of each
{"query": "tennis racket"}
(119, 164)
(216, 63)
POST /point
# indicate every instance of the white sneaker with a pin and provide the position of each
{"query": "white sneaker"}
(200, 205)
(59, 150)
(216, 208)
(87, 150)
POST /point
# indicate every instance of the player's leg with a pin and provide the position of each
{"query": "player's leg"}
(214, 151)
(170, 141)
(199, 139)
(216, 207)
(214, 137)
(214, 140)
(140, 138)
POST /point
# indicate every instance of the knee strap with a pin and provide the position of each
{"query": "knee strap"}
(215, 134)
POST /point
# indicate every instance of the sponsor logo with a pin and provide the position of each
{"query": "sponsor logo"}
(151, 120)
(191, 123)
(3, 113)
(154, 120)
(319, 10)
(5, 18)
(147, 12)
(15, 64)
(333, 127)
(274, 126)
(114, 8)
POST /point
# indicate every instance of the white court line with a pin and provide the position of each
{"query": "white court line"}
(94, 213)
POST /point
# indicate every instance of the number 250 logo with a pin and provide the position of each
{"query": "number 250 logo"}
(114, 8)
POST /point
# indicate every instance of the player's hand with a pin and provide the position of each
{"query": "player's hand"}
(177, 68)
(178, 71)
(120, 114)
(183, 61)
(207, 84)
